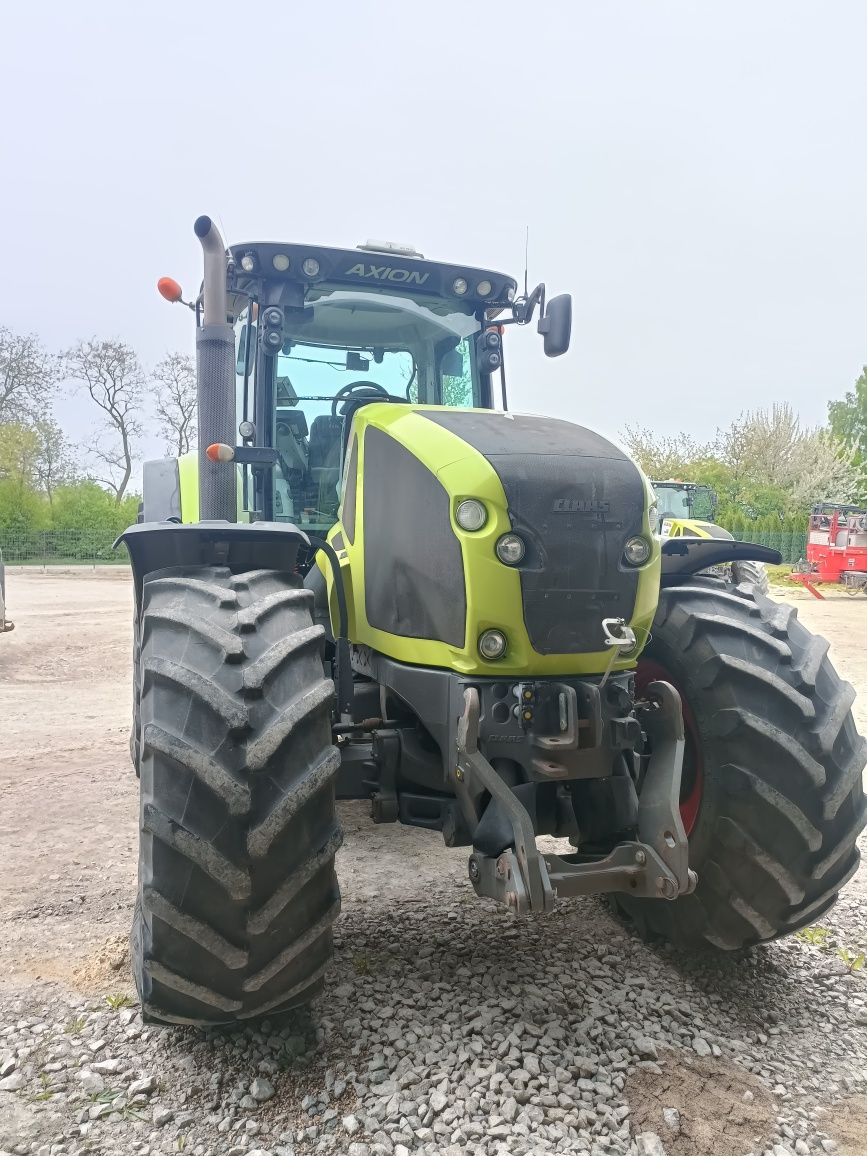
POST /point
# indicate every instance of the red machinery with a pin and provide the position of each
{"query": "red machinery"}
(836, 547)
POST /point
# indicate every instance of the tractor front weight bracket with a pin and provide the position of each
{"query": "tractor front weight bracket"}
(526, 880)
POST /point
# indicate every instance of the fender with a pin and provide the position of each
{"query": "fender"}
(684, 556)
(239, 545)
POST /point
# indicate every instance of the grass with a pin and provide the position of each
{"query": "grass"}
(819, 937)
(781, 576)
(362, 964)
(75, 1026)
(118, 1000)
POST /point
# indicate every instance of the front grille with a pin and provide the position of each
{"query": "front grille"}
(576, 498)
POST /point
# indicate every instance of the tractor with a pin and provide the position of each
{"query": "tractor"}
(687, 510)
(375, 581)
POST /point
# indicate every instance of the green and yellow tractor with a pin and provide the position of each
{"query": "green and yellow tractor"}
(687, 510)
(375, 581)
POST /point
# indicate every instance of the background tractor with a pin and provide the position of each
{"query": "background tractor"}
(687, 510)
(459, 613)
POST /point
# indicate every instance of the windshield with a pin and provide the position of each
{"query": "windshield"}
(673, 501)
(679, 501)
(412, 350)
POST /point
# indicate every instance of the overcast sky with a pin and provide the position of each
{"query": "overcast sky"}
(695, 174)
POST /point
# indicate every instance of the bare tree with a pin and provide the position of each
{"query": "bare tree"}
(52, 466)
(828, 471)
(662, 456)
(176, 401)
(769, 446)
(113, 377)
(764, 444)
(28, 375)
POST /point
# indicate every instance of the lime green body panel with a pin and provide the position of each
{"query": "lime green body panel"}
(691, 528)
(493, 590)
(188, 478)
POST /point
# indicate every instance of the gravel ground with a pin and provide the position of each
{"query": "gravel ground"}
(449, 1026)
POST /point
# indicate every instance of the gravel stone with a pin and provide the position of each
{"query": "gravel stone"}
(645, 1046)
(649, 1144)
(7, 1067)
(671, 1116)
(261, 1089)
(142, 1087)
(350, 1124)
(13, 1083)
(438, 1101)
(162, 1115)
(91, 1082)
(701, 1047)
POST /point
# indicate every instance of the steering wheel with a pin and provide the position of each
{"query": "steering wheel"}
(347, 390)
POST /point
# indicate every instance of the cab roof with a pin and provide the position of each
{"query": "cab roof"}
(394, 269)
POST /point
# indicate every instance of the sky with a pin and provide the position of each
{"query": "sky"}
(695, 174)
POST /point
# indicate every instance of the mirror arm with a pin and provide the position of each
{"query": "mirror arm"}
(524, 307)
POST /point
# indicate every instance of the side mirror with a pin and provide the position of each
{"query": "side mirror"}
(556, 325)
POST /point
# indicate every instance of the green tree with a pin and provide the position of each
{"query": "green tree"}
(88, 506)
(848, 418)
(21, 506)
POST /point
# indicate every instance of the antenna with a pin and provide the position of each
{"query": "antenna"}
(526, 257)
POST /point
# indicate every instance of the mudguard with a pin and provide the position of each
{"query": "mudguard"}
(684, 556)
(238, 545)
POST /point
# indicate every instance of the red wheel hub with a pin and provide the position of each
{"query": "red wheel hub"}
(692, 783)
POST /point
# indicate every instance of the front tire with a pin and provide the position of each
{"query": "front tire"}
(754, 574)
(773, 746)
(237, 890)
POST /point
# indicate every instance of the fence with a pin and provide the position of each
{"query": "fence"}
(791, 544)
(60, 547)
(92, 547)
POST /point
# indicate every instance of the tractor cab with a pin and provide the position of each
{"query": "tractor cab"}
(322, 332)
(684, 501)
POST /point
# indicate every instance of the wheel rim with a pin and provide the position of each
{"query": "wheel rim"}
(692, 781)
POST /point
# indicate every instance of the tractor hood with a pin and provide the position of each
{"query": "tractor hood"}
(573, 497)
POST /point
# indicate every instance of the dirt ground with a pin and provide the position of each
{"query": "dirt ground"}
(68, 819)
(68, 797)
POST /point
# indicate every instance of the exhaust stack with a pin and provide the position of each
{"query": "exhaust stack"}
(215, 377)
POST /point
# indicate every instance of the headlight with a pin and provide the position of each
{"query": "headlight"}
(510, 549)
(471, 514)
(459, 286)
(310, 267)
(637, 550)
(280, 261)
(484, 289)
(492, 644)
